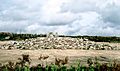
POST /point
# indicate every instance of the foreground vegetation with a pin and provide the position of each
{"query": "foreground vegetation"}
(58, 65)
(15, 36)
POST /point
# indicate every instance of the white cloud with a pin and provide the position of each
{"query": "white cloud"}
(69, 17)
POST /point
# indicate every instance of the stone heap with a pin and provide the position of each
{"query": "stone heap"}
(54, 42)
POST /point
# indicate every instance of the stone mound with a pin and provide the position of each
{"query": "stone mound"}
(54, 42)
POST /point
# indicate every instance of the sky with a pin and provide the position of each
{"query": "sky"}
(66, 17)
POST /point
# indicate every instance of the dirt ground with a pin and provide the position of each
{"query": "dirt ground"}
(73, 55)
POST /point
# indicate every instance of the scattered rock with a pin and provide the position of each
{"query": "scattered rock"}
(52, 41)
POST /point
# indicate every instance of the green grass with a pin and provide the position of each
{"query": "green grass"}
(53, 67)
(24, 65)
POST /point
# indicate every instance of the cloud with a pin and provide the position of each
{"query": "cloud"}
(111, 13)
(68, 17)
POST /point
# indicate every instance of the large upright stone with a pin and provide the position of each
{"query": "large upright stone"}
(50, 35)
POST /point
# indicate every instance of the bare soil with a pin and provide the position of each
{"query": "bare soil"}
(74, 55)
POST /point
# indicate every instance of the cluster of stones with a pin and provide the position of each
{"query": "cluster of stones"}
(54, 42)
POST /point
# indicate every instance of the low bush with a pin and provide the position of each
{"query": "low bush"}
(92, 66)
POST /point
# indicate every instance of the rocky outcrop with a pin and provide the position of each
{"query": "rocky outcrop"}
(54, 42)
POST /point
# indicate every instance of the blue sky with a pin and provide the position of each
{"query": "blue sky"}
(68, 17)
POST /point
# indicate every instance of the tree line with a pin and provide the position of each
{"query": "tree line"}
(15, 36)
